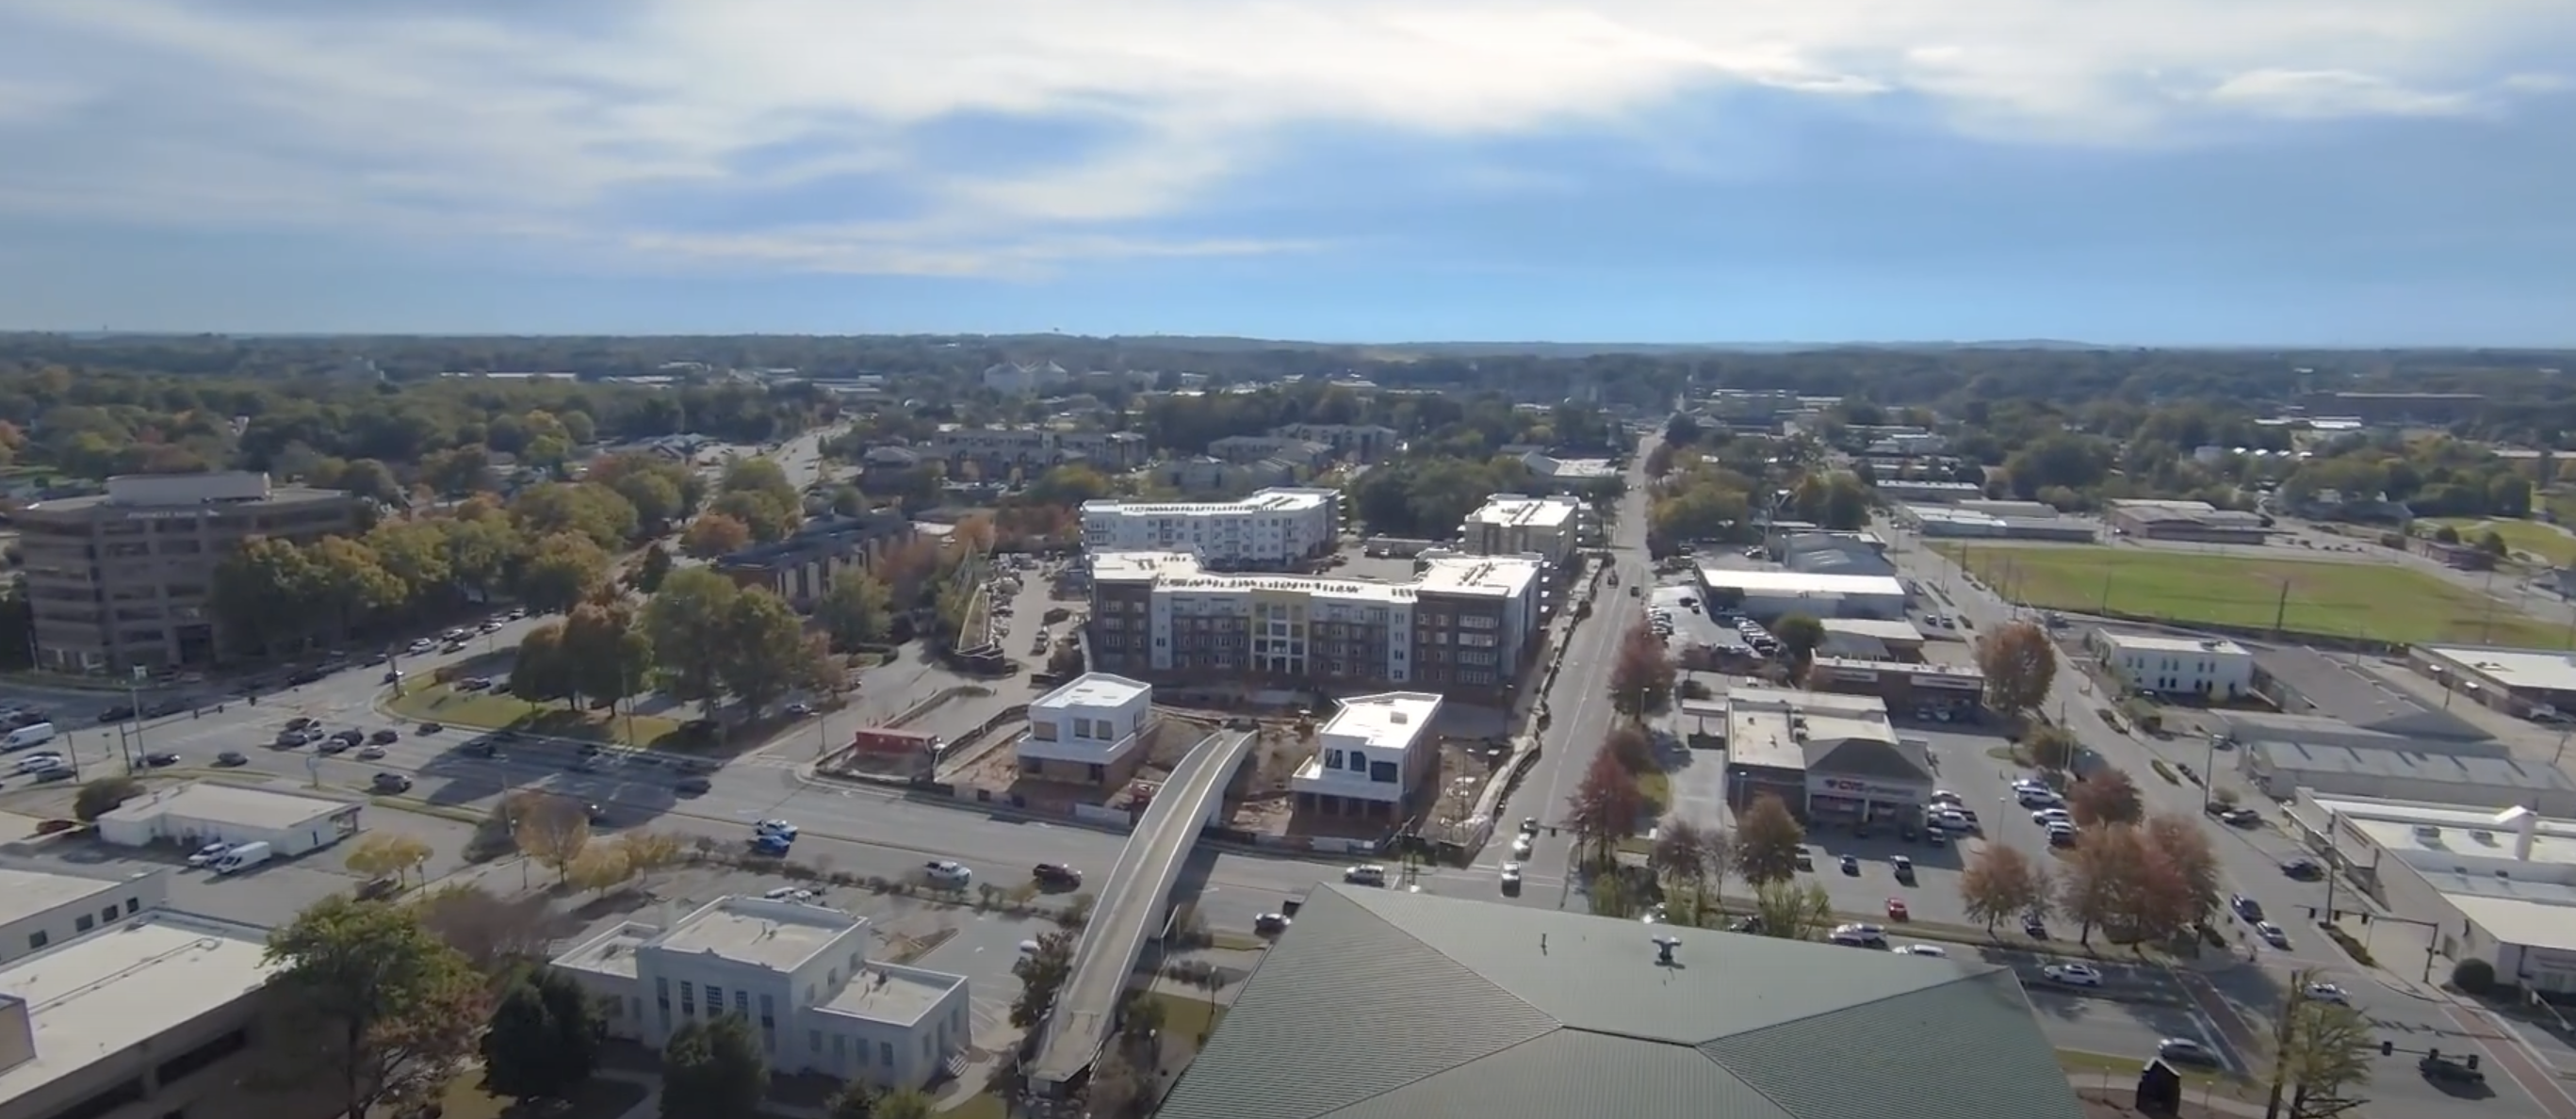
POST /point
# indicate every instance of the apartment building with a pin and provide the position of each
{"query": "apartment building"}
(1273, 528)
(1304, 453)
(1207, 474)
(1511, 524)
(1088, 732)
(996, 451)
(122, 578)
(1372, 759)
(1463, 628)
(801, 568)
(1364, 442)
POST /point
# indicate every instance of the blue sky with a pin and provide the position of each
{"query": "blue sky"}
(2316, 172)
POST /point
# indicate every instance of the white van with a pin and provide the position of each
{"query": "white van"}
(33, 734)
(243, 858)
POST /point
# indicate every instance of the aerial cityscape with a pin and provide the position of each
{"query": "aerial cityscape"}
(797, 559)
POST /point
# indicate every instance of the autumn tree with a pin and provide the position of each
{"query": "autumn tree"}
(686, 623)
(2117, 882)
(2051, 748)
(492, 932)
(713, 535)
(1605, 806)
(553, 832)
(561, 570)
(1642, 676)
(1041, 972)
(102, 795)
(395, 1012)
(1633, 745)
(765, 651)
(606, 656)
(1792, 910)
(649, 851)
(1680, 853)
(857, 610)
(540, 673)
(1799, 636)
(1768, 840)
(2107, 797)
(2322, 1050)
(2001, 883)
(2019, 666)
(2183, 846)
(389, 855)
(599, 868)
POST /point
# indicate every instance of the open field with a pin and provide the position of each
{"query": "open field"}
(494, 710)
(2381, 602)
(2547, 542)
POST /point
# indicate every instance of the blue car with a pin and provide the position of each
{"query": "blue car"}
(772, 844)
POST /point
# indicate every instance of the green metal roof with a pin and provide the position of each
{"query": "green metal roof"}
(1380, 1004)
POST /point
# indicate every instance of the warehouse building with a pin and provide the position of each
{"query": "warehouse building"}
(1872, 639)
(1769, 595)
(1830, 758)
(2495, 886)
(1961, 522)
(2523, 682)
(2281, 769)
(2193, 521)
(1835, 553)
(207, 812)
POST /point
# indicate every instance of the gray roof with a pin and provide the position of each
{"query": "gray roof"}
(1863, 757)
(2414, 765)
(2343, 692)
(2264, 726)
(1380, 1004)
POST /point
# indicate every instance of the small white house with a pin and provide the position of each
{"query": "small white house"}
(1372, 758)
(1088, 732)
(2205, 667)
(206, 812)
(797, 974)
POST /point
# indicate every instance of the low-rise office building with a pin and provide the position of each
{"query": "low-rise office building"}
(1927, 691)
(1570, 475)
(1363, 442)
(1960, 522)
(1767, 595)
(799, 974)
(2498, 886)
(122, 579)
(801, 568)
(43, 907)
(2520, 681)
(157, 1014)
(1374, 758)
(1302, 453)
(1088, 732)
(1872, 639)
(1464, 627)
(1207, 474)
(2195, 521)
(1510, 524)
(210, 811)
(2208, 668)
(1829, 758)
(1274, 528)
(1925, 489)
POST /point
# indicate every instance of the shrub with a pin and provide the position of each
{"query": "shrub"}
(2473, 976)
(2225, 796)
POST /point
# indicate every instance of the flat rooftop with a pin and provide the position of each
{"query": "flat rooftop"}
(1767, 581)
(1387, 721)
(1512, 510)
(2514, 668)
(1898, 630)
(2180, 646)
(109, 991)
(1266, 501)
(232, 804)
(26, 893)
(895, 995)
(1107, 566)
(779, 936)
(611, 952)
(1095, 689)
(1493, 576)
(2413, 765)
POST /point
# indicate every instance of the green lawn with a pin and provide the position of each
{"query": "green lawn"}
(602, 1098)
(2380, 602)
(1188, 1016)
(2545, 541)
(492, 710)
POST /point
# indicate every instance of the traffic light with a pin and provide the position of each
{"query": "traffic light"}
(2388, 1049)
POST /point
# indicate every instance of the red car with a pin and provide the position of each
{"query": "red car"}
(1896, 910)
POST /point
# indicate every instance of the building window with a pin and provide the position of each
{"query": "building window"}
(196, 1060)
(36, 940)
(85, 924)
(885, 1053)
(131, 905)
(767, 1013)
(715, 1000)
(814, 1040)
(688, 998)
(107, 915)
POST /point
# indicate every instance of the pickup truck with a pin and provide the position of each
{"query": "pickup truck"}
(2450, 1070)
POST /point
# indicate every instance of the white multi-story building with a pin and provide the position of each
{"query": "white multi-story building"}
(1511, 524)
(155, 1014)
(798, 974)
(996, 451)
(1465, 626)
(1272, 528)
(1372, 757)
(40, 908)
(1090, 731)
(2212, 668)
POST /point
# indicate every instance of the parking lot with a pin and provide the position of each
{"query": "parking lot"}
(1964, 766)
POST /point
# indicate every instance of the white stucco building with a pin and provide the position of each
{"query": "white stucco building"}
(44, 906)
(2215, 668)
(1511, 524)
(1372, 758)
(2495, 885)
(1090, 731)
(207, 811)
(798, 974)
(1273, 528)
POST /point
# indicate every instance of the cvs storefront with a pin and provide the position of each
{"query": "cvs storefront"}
(1861, 780)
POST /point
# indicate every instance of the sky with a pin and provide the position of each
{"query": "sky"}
(2148, 172)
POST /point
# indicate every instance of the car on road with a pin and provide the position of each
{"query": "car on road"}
(370, 753)
(2186, 1051)
(1511, 878)
(692, 786)
(385, 737)
(430, 728)
(1896, 910)
(2245, 907)
(2303, 869)
(40, 762)
(2272, 934)
(1851, 865)
(1859, 936)
(2072, 975)
(1368, 875)
(57, 773)
(1521, 847)
(2242, 817)
(160, 759)
(1903, 868)
(1056, 876)
(2034, 928)
(2328, 992)
(1270, 924)
(232, 758)
(1924, 950)
(206, 855)
(116, 714)
(2450, 1070)
(947, 874)
(771, 845)
(775, 827)
(387, 781)
(1529, 825)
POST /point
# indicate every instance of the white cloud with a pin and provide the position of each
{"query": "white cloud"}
(583, 125)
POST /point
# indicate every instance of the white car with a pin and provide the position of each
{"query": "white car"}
(2272, 934)
(39, 763)
(942, 872)
(1521, 847)
(1511, 877)
(1945, 796)
(789, 893)
(1365, 876)
(1923, 950)
(206, 855)
(2047, 816)
(780, 828)
(2327, 992)
(2072, 975)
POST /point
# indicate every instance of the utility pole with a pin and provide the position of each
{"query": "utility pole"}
(2280, 619)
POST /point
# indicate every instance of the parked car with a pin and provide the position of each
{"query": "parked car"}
(2327, 992)
(160, 759)
(2303, 869)
(2245, 907)
(232, 758)
(206, 855)
(1056, 876)
(2186, 1051)
(2072, 975)
(1270, 924)
(692, 786)
(385, 737)
(947, 874)
(1365, 876)
(387, 781)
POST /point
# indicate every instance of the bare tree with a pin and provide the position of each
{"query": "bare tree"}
(2052, 749)
(1604, 808)
(2184, 847)
(1679, 853)
(489, 930)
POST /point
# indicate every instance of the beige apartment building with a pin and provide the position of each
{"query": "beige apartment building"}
(122, 578)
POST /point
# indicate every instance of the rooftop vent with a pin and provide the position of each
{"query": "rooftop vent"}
(2485, 837)
(1398, 718)
(1664, 946)
(2427, 831)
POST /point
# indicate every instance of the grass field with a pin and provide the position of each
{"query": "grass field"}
(2545, 541)
(602, 1098)
(491, 710)
(2380, 602)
